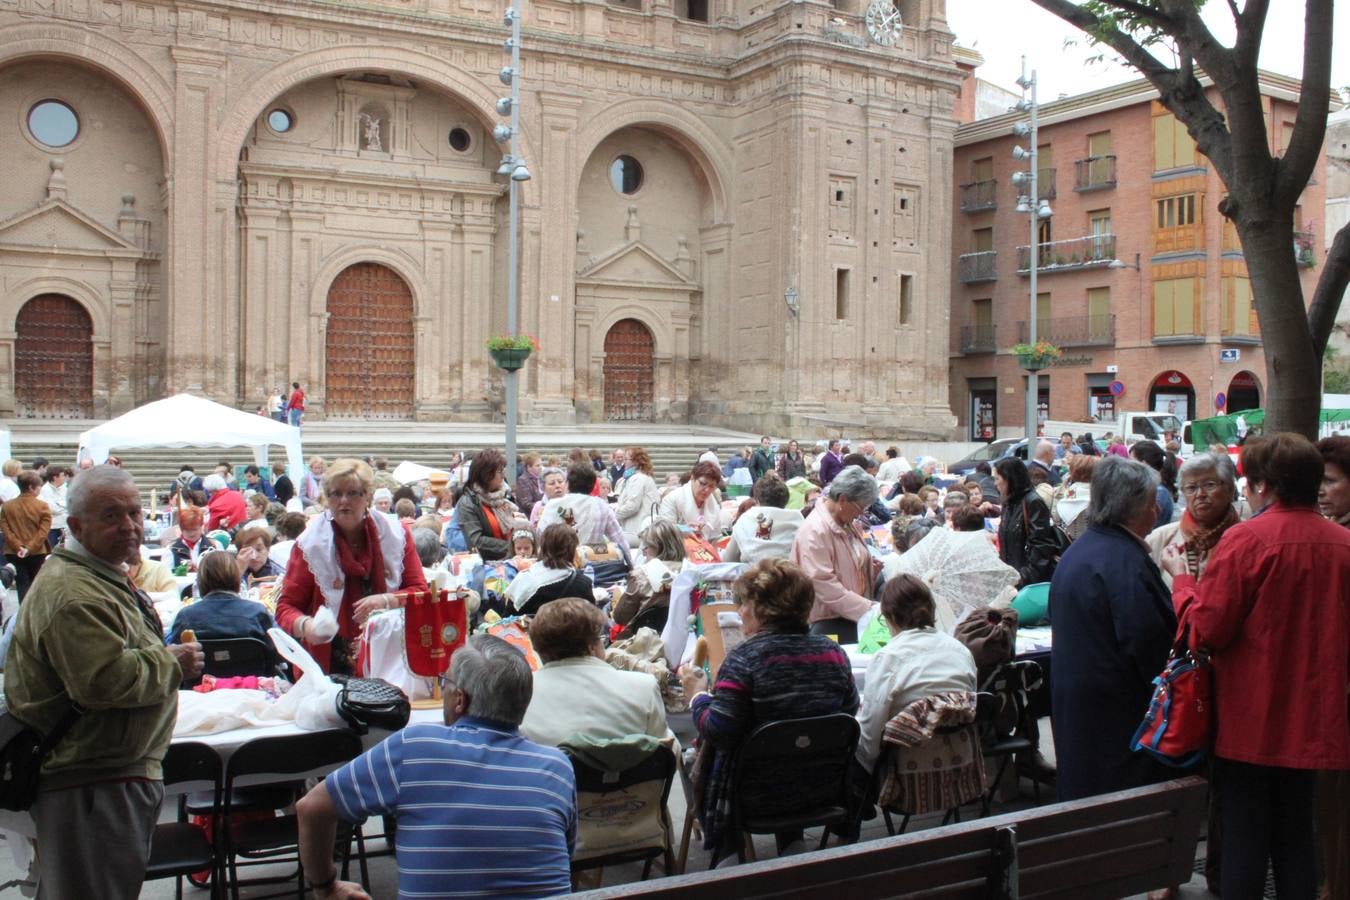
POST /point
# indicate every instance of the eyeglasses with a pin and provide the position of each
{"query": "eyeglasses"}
(346, 495)
(1208, 487)
(703, 482)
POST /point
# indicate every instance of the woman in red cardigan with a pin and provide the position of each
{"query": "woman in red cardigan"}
(345, 565)
(1273, 609)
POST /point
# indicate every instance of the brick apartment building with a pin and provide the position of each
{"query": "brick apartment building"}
(1141, 281)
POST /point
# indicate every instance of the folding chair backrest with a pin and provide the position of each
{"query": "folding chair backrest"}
(193, 766)
(813, 755)
(230, 657)
(296, 755)
(623, 812)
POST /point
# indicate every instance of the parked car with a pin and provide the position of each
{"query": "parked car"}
(990, 453)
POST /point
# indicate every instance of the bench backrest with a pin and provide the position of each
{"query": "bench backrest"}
(1109, 846)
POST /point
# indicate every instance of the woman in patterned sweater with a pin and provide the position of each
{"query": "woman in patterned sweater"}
(779, 672)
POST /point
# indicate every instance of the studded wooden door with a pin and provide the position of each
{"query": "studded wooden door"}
(370, 353)
(53, 360)
(629, 371)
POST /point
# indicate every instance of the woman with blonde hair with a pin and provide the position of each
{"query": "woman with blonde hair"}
(649, 585)
(344, 566)
(639, 496)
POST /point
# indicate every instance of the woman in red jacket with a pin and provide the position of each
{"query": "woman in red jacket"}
(1274, 611)
(345, 565)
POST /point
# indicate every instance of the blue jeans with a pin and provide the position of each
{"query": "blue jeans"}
(295, 415)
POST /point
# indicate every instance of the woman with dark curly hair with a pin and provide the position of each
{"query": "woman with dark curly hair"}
(779, 671)
(484, 514)
(697, 504)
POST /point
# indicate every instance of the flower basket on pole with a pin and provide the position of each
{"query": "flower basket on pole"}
(509, 351)
(1034, 357)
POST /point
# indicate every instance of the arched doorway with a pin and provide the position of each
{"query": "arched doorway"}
(370, 354)
(1172, 392)
(1243, 392)
(629, 371)
(53, 360)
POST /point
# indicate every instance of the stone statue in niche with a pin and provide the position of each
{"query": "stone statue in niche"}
(370, 133)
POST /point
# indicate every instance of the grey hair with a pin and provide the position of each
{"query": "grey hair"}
(552, 470)
(1120, 488)
(496, 678)
(955, 498)
(428, 544)
(94, 481)
(214, 482)
(854, 485)
(1043, 445)
(382, 494)
(1221, 464)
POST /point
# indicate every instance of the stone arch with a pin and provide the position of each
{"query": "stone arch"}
(613, 315)
(81, 292)
(380, 58)
(704, 146)
(370, 358)
(119, 62)
(629, 371)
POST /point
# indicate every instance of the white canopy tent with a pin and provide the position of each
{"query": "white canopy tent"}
(5, 447)
(187, 421)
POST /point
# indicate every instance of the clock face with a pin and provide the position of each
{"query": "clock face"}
(883, 22)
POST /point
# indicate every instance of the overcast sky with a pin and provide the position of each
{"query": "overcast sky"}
(1003, 30)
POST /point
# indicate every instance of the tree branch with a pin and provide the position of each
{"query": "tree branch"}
(1326, 301)
(1133, 52)
(1139, 10)
(1232, 7)
(1310, 127)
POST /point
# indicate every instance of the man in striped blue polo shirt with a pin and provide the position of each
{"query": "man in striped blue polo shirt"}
(481, 810)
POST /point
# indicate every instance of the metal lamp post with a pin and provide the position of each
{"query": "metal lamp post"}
(512, 166)
(1032, 204)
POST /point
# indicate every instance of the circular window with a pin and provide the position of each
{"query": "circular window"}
(53, 123)
(280, 121)
(625, 174)
(459, 140)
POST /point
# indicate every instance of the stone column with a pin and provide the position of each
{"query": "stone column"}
(194, 309)
(122, 302)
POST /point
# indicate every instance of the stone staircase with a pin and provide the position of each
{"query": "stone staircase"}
(672, 448)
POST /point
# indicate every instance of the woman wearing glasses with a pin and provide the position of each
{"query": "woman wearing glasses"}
(1209, 484)
(830, 549)
(344, 566)
(696, 504)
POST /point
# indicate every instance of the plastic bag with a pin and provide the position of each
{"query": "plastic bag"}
(312, 703)
(325, 626)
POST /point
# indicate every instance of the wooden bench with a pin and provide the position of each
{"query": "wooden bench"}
(1109, 846)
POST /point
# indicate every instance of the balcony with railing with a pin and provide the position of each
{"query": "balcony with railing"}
(1096, 173)
(1093, 251)
(977, 338)
(982, 266)
(1072, 331)
(979, 196)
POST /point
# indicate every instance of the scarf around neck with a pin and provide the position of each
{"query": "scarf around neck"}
(331, 561)
(1202, 540)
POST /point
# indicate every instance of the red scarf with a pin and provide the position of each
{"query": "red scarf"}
(364, 569)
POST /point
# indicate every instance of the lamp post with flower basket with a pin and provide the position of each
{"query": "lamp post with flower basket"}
(1034, 357)
(509, 351)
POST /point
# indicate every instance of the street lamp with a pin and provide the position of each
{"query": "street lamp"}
(514, 168)
(1033, 205)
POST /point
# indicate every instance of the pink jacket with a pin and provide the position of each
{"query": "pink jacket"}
(838, 564)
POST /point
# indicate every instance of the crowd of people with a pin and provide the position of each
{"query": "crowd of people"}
(1142, 552)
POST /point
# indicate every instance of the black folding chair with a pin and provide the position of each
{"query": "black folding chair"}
(182, 848)
(231, 657)
(619, 788)
(653, 617)
(1002, 719)
(813, 756)
(260, 762)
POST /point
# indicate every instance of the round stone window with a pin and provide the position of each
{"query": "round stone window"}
(459, 139)
(625, 174)
(280, 120)
(53, 123)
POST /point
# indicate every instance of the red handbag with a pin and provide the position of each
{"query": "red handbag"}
(1178, 728)
(435, 626)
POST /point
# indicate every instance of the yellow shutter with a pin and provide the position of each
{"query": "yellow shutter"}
(1183, 153)
(1185, 302)
(982, 169)
(983, 240)
(1043, 315)
(1099, 303)
(1162, 308)
(1162, 143)
(1099, 144)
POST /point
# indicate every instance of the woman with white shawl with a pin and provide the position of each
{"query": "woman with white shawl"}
(638, 494)
(344, 566)
(697, 505)
(555, 575)
(590, 517)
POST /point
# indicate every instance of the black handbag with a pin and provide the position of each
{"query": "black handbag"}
(366, 703)
(22, 751)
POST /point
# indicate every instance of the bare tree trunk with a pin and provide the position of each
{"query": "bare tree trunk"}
(1293, 399)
